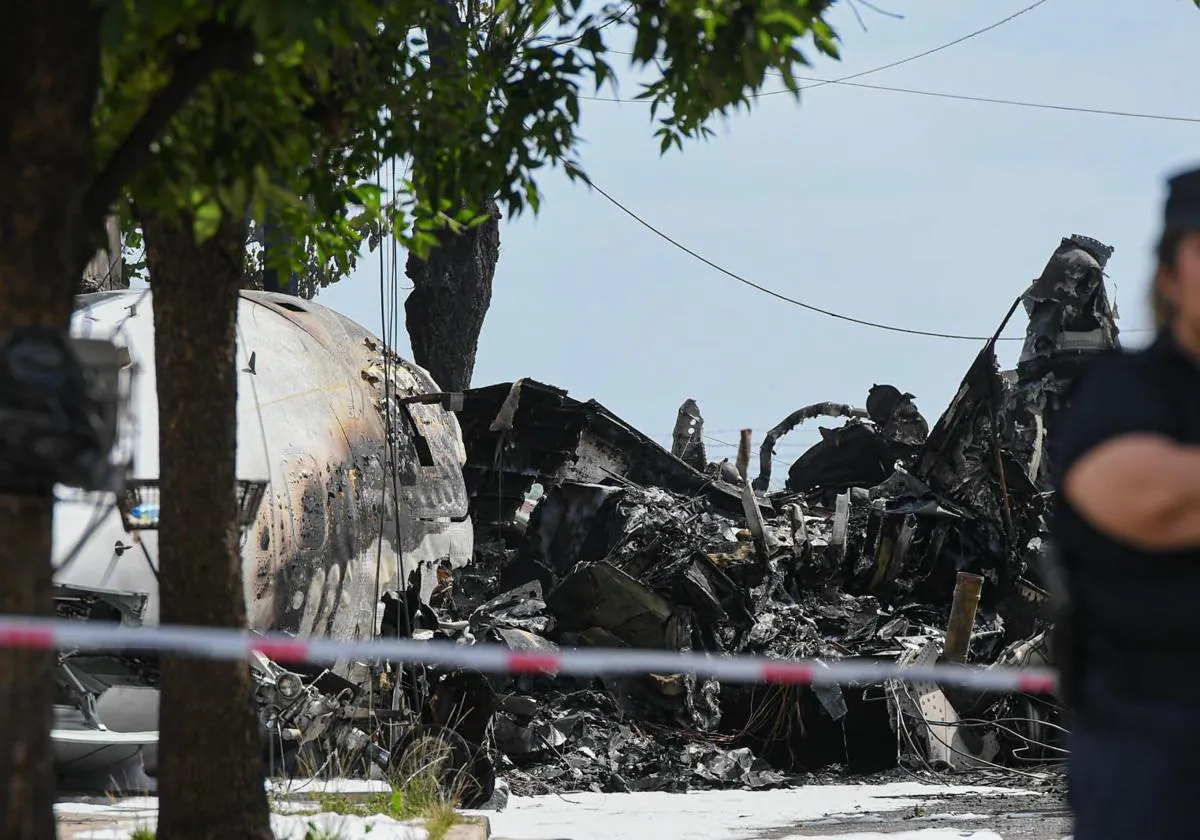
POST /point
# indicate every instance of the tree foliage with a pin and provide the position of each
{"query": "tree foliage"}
(304, 101)
(284, 110)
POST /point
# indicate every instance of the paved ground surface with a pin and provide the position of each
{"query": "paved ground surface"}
(294, 817)
(892, 811)
(1018, 817)
(883, 810)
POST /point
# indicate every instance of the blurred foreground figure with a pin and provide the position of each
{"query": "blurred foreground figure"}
(1127, 465)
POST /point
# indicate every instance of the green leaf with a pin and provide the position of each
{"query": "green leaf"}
(206, 219)
(336, 86)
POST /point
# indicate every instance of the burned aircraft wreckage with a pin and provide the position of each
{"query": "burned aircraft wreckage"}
(349, 467)
(890, 539)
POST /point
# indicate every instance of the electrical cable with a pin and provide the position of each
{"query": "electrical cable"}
(960, 97)
(847, 82)
(1047, 106)
(113, 264)
(793, 301)
(890, 65)
(736, 446)
(611, 20)
(388, 306)
(920, 55)
(779, 295)
(999, 722)
(790, 300)
(391, 344)
(386, 407)
(930, 731)
(880, 68)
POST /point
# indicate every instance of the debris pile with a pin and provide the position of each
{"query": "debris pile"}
(884, 529)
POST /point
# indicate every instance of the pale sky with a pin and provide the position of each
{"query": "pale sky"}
(923, 212)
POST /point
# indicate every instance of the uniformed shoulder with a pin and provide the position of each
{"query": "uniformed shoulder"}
(1122, 359)
(1119, 371)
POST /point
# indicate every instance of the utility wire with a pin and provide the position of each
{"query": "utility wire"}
(946, 46)
(859, 75)
(793, 301)
(779, 295)
(989, 100)
(844, 80)
(847, 82)
(959, 97)
(729, 445)
(611, 20)
(879, 69)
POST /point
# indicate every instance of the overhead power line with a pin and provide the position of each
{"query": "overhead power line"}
(847, 81)
(785, 298)
(946, 46)
(779, 295)
(619, 16)
(879, 69)
(1048, 106)
(859, 75)
(960, 97)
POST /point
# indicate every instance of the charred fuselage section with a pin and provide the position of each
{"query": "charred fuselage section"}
(359, 461)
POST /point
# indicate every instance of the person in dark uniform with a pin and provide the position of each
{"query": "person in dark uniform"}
(1126, 458)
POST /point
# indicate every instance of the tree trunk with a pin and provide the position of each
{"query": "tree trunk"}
(210, 767)
(26, 678)
(50, 68)
(452, 291)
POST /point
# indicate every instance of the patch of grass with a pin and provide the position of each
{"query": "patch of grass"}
(338, 803)
(424, 786)
(414, 803)
(421, 790)
(315, 832)
(441, 822)
(142, 832)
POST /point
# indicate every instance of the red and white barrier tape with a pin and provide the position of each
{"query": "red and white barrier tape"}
(222, 643)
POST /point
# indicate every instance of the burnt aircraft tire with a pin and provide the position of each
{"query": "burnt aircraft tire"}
(448, 759)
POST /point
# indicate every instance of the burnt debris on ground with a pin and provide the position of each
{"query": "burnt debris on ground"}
(892, 539)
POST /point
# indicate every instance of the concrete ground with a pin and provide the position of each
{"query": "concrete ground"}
(893, 811)
(874, 811)
(1017, 817)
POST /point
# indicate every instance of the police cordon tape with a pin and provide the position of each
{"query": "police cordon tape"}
(228, 644)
